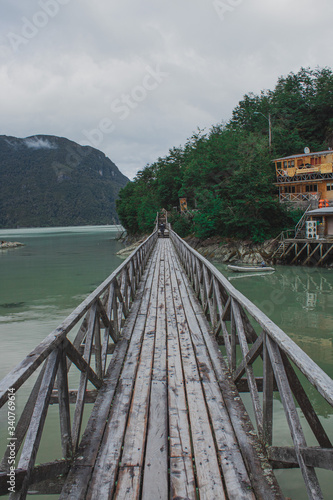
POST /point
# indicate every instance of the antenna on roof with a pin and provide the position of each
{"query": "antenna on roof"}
(306, 150)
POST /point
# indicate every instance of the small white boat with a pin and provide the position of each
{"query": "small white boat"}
(250, 269)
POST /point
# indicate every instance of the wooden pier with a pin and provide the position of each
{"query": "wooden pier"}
(167, 419)
(305, 251)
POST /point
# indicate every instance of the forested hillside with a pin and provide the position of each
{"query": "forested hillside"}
(227, 174)
(51, 181)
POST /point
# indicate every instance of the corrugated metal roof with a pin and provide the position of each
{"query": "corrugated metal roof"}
(318, 153)
(321, 211)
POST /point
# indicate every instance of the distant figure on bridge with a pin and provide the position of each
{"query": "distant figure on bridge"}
(162, 229)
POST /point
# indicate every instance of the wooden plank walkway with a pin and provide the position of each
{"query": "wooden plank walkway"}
(168, 423)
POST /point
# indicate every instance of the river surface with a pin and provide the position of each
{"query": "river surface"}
(42, 282)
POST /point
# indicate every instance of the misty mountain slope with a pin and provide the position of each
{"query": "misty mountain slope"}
(52, 181)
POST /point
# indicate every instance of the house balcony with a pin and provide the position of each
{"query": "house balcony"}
(300, 197)
(306, 173)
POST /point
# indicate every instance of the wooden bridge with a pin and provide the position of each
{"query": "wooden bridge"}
(165, 349)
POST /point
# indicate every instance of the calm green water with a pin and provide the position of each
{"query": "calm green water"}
(300, 301)
(42, 282)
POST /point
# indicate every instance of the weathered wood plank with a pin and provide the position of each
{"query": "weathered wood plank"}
(321, 260)
(268, 395)
(47, 471)
(90, 396)
(64, 409)
(155, 477)
(98, 351)
(128, 483)
(243, 386)
(313, 457)
(182, 485)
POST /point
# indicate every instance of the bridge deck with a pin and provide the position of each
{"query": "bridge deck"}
(161, 426)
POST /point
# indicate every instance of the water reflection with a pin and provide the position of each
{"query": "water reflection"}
(300, 301)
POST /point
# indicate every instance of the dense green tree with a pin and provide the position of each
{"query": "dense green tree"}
(227, 173)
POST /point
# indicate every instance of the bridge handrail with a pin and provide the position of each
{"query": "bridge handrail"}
(105, 308)
(231, 317)
(33, 360)
(306, 365)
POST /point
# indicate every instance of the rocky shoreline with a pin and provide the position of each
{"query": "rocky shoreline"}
(225, 250)
(220, 249)
(133, 243)
(4, 245)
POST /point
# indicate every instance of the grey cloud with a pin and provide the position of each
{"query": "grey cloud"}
(66, 78)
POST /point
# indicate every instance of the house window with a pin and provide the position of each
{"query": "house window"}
(311, 188)
(290, 189)
(329, 187)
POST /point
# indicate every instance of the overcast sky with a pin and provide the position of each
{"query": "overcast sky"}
(134, 78)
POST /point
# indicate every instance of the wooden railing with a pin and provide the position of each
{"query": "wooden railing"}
(103, 314)
(299, 197)
(253, 342)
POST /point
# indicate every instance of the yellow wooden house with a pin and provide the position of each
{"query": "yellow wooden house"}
(306, 177)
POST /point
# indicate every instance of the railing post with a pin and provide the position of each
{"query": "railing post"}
(64, 408)
(268, 374)
(233, 339)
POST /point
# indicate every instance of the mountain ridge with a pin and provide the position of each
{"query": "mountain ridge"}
(47, 181)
